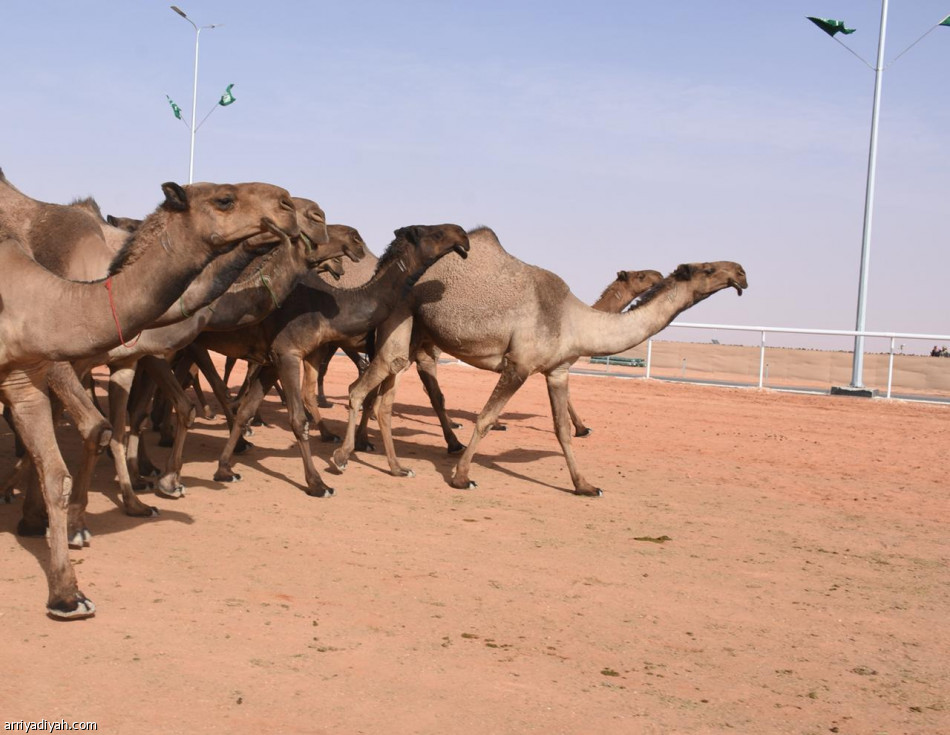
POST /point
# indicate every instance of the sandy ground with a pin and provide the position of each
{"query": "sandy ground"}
(803, 586)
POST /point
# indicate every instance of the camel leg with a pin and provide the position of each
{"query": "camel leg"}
(169, 484)
(321, 373)
(384, 414)
(560, 403)
(288, 367)
(580, 429)
(220, 389)
(426, 366)
(260, 382)
(311, 390)
(96, 434)
(14, 479)
(511, 379)
(392, 356)
(120, 384)
(144, 392)
(25, 394)
(309, 406)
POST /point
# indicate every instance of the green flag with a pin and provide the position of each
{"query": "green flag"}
(945, 22)
(227, 98)
(831, 27)
(175, 108)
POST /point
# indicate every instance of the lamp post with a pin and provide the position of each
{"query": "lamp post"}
(831, 27)
(194, 95)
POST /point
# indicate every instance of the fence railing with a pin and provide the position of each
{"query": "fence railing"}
(763, 331)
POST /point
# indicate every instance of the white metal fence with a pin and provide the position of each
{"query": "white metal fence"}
(763, 331)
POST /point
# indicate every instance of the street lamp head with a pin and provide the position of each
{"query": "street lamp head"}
(180, 12)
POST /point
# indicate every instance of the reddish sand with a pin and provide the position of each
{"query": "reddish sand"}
(804, 586)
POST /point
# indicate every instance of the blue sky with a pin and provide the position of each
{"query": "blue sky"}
(591, 137)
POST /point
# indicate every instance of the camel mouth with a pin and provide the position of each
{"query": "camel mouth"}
(735, 284)
(462, 250)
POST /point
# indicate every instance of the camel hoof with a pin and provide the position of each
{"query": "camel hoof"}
(585, 432)
(403, 473)
(243, 446)
(320, 491)
(337, 463)
(455, 425)
(81, 607)
(594, 492)
(226, 476)
(330, 439)
(499, 427)
(208, 412)
(176, 492)
(256, 421)
(248, 431)
(30, 530)
(324, 403)
(364, 446)
(464, 485)
(456, 448)
(80, 539)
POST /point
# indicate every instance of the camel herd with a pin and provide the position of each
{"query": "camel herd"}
(249, 272)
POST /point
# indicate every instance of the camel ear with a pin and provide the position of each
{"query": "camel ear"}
(623, 276)
(411, 234)
(112, 220)
(683, 272)
(175, 197)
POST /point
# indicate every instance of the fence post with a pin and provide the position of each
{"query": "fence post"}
(890, 369)
(649, 355)
(762, 360)
(607, 363)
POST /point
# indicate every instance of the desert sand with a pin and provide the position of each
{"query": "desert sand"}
(760, 562)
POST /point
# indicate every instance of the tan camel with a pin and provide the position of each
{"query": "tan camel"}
(627, 286)
(264, 282)
(317, 314)
(192, 226)
(533, 324)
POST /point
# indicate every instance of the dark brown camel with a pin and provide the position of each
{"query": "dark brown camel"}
(316, 314)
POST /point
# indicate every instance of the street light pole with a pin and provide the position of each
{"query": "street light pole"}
(194, 94)
(857, 370)
(832, 27)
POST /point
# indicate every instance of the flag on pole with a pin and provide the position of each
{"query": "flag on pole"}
(945, 22)
(227, 98)
(175, 108)
(831, 27)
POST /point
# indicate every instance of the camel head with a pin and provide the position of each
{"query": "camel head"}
(223, 215)
(344, 241)
(312, 222)
(707, 278)
(430, 242)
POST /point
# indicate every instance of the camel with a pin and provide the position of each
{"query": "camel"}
(533, 324)
(265, 281)
(627, 286)
(317, 314)
(193, 225)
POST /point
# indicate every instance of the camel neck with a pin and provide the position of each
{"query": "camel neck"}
(270, 280)
(601, 333)
(87, 312)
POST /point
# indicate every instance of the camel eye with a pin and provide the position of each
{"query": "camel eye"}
(224, 203)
